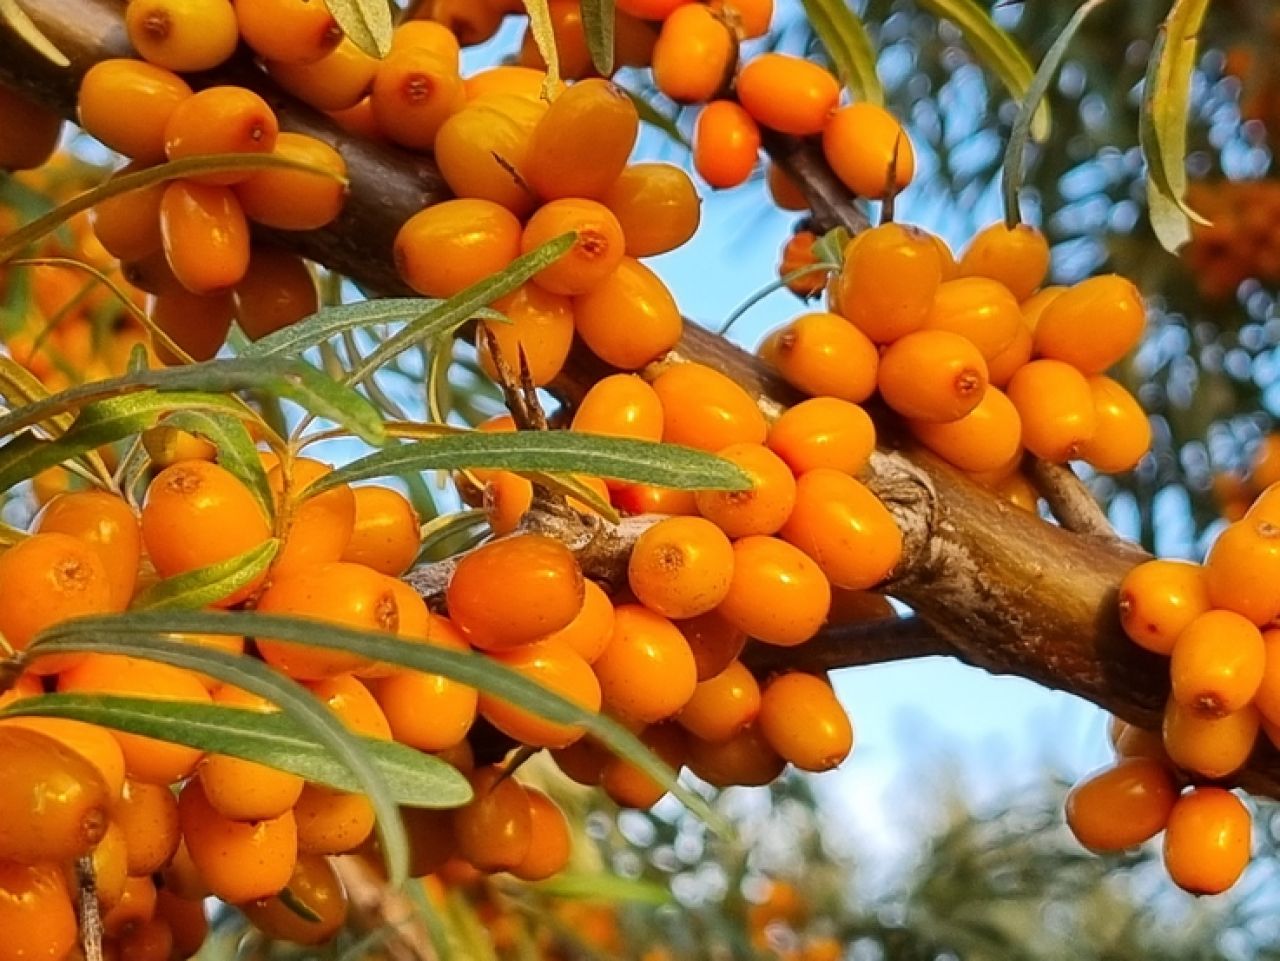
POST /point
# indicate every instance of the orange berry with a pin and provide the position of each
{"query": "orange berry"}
(94, 744)
(694, 55)
(802, 720)
(630, 318)
(745, 759)
(1265, 467)
(764, 507)
(110, 862)
(186, 920)
(593, 256)
(647, 672)
(633, 499)
(414, 92)
(243, 790)
(705, 409)
(1217, 664)
(277, 290)
(1055, 405)
(296, 199)
(220, 120)
(620, 405)
(1242, 570)
(515, 591)
(1093, 324)
(723, 705)
(550, 845)
(932, 375)
(316, 884)
(206, 237)
(239, 861)
(337, 81)
(57, 576)
(386, 535)
(495, 831)
(540, 327)
(447, 247)
(726, 142)
(555, 667)
(147, 815)
(287, 31)
(1159, 599)
(1207, 841)
(198, 325)
(128, 225)
(36, 914)
(788, 94)
(630, 787)
(570, 39)
(845, 528)
(981, 310)
(681, 567)
(715, 643)
(319, 527)
(1121, 806)
(1123, 434)
(785, 192)
(1017, 258)
(583, 761)
(749, 18)
(890, 277)
(1267, 698)
(588, 634)
(825, 356)
(471, 22)
(583, 141)
(136, 907)
(126, 104)
(798, 254)
(650, 9)
(657, 206)
(985, 439)
(1213, 747)
(428, 711)
(36, 130)
(823, 432)
(868, 150)
(778, 595)
(1033, 307)
(505, 79)
(1129, 740)
(479, 147)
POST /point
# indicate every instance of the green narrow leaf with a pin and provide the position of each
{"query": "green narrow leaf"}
(554, 451)
(144, 633)
(1012, 173)
(597, 24)
(298, 906)
(366, 22)
(997, 50)
(573, 487)
(1162, 124)
(657, 119)
(439, 533)
(847, 42)
(20, 387)
(605, 887)
(439, 390)
(465, 305)
(544, 36)
(21, 24)
(193, 590)
(416, 779)
(119, 635)
(330, 321)
(236, 450)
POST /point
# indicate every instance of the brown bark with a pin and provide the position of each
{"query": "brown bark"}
(1000, 588)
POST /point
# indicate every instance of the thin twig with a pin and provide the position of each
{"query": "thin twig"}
(90, 909)
(1069, 499)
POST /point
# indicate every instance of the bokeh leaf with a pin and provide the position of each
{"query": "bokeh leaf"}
(597, 24)
(12, 14)
(845, 38)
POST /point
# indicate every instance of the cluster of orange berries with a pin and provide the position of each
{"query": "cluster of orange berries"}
(1240, 242)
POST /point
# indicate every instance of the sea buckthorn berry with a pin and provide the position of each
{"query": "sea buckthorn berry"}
(471, 22)
(845, 528)
(387, 534)
(761, 509)
(987, 438)
(151, 273)
(1265, 506)
(36, 131)
(868, 150)
(1217, 664)
(197, 325)
(803, 721)
(146, 759)
(137, 906)
(128, 225)
(583, 141)
(94, 744)
(784, 191)
(483, 150)
(428, 711)
(798, 255)
(414, 93)
(746, 760)
(1033, 307)
(1017, 257)
(932, 375)
(715, 643)
(778, 594)
(147, 815)
(126, 104)
(1243, 568)
(495, 831)
(630, 787)
(570, 39)
(1121, 806)
(239, 861)
(588, 634)
(1207, 841)
(27, 684)
(339, 593)
(1002, 367)
(555, 667)
(705, 409)
(54, 803)
(187, 921)
(620, 405)
(890, 277)
(36, 914)
(635, 499)
(981, 310)
(540, 328)
(650, 9)
(319, 527)
(594, 255)
(694, 56)
(681, 567)
(197, 514)
(245, 790)
(1265, 467)
(183, 35)
(749, 18)
(206, 237)
(551, 844)
(723, 705)
(296, 199)
(447, 247)
(1159, 599)
(277, 290)
(515, 591)
(1267, 699)
(151, 940)
(630, 318)
(825, 356)
(220, 120)
(583, 761)
(337, 81)
(106, 523)
(288, 31)
(182, 877)
(1123, 434)
(58, 577)
(726, 142)
(316, 884)
(1055, 405)
(657, 206)
(647, 672)
(506, 79)
(823, 432)
(167, 446)
(1093, 324)
(789, 94)
(359, 121)
(1212, 747)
